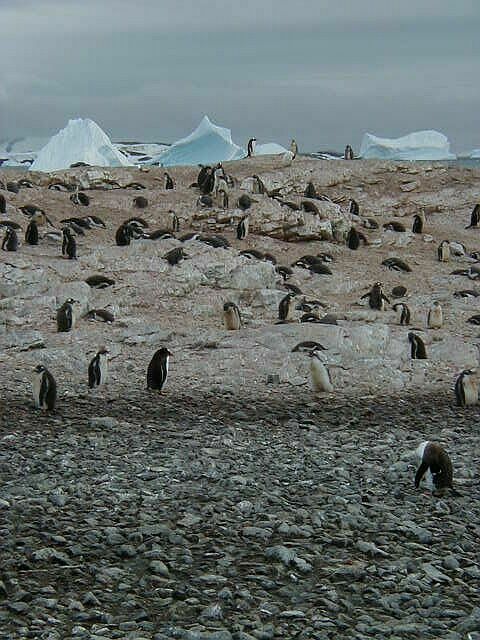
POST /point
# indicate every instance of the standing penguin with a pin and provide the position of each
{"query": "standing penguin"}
(466, 388)
(169, 184)
(286, 308)
(404, 314)
(474, 217)
(10, 241)
(175, 221)
(44, 388)
(354, 208)
(294, 148)
(157, 371)
(319, 374)
(66, 316)
(418, 351)
(242, 228)
(417, 226)
(31, 234)
(231, 316)
(3, 204)
(434, 459)
(435, 316)
(98, 369)
(348, 153)
(69, 244)
(353, 239)
(376, 297)
(443, 251)
(251, 147)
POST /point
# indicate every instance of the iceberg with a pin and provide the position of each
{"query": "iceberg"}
(81, 140)
(208, 144)
(270, 149)
(474, 154)
(420, 145)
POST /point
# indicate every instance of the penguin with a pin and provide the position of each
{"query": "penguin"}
(169, 184)
(434, 459)
(10, 241)
(396, 264)
(310, 191)
(354, 208)
(140, 202)
(205, 201)
(393, 225)
(95, 222)
(66, 316)
(418, 351)
(69, 245)
(443, 251)
(157, 371)
(435, 316)
(123, 235)
(320, 268)
(98, 369)
(348, 153)
(319, 374)
(231, 316)
(466, 388)
(308, 346)
(3, 204)
(80, 198)
(475, 217)
(294, 148)
(245, 202)
(102, 315)
(174, 256)
(31, 234)
(474, 320)
(399, 292)
(286, 308)
(158, 234)
(44, 389)
(417, 226)
(242, 228)
(310, 207)
(353, 239)
(405, 312)
(293, 288)
(285, 272)
(216, 241)
(175, 221)
(370, 223)
(466, 293)
(251, 147)
(30, 209)
(376, 297)
(252, 253)
(202, 176)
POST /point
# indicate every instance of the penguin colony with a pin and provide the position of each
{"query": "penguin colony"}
(211, 182)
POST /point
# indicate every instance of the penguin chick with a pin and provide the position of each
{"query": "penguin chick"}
(435, 316)
(404, 312)
(319, 374)
(231, 316)
(466, 388)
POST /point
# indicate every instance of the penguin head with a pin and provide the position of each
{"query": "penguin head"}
(164, 353)
(102, 351)
(39, 368)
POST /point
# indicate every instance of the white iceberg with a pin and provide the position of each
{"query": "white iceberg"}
(475, 153)
(80, 141)
(208, 144)
(420, 145)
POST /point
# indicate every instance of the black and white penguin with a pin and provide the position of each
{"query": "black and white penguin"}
(99, 282)
(376, 297)
(242, 228)
(474, 319)
(417, 226)
(158, 234)
(370, 223)
(69, 244)
(44, 389)
(10, 240)
(310, 191)
(123, 235)
(175, 221)
(466, 293)
(353, 239)
(354, 208)
(348, 153)
(98, 369)
(31, 234)
(157, 371)
(286, 308)
(394, 225)
(443, 251)
(396, 264)
(169, 184)
(418, 351)
(308, 346)
(435, 316)
(231, 316)
(94, 222)
(100, 315)
(245, 202)
(434, 459)
(80, 198)
(174, 256)
(404, 312)
(294, 148)
(466, 388)
(3, 204)
(251, 147)
(319, 374)
(474, 217)
(399, 291)
(285, 272)
(66, 316)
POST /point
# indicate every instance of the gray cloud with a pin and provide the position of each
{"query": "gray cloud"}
(323, 73)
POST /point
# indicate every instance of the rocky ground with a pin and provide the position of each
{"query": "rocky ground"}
(230, 506)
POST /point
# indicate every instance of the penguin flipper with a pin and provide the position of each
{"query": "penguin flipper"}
(422, 469)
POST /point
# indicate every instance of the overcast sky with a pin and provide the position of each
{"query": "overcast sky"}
(321, 71)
